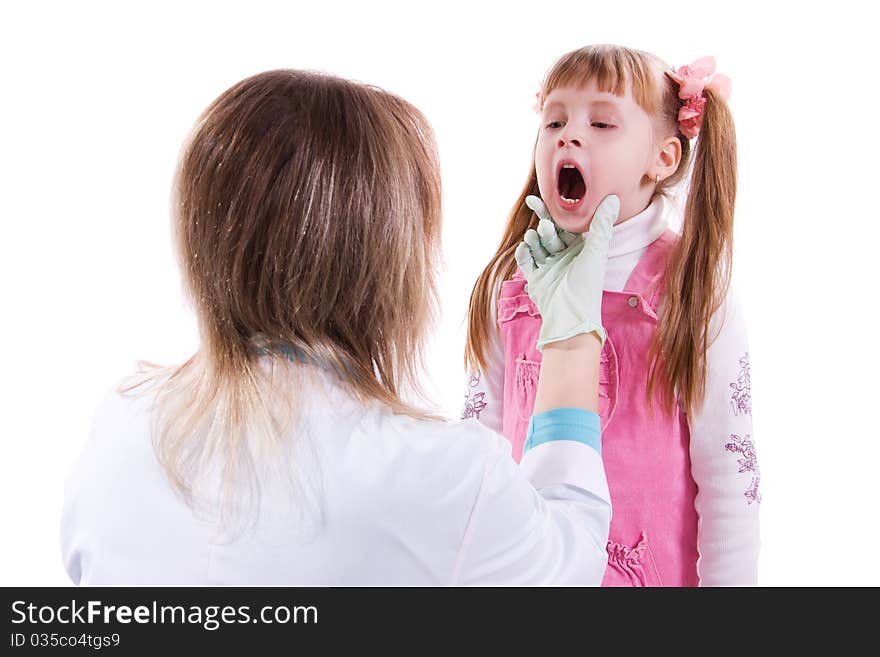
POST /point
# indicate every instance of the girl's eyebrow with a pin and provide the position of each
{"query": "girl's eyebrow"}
(604, 103)
(610, 104)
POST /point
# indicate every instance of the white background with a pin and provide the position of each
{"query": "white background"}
(95, 101)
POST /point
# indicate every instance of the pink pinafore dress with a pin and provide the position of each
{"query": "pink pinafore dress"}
(653, 535)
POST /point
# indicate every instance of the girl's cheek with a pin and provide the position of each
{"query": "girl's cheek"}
(545, 182)
(543, 187)
(598, 185)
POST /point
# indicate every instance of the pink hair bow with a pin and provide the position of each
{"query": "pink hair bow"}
(692, 79)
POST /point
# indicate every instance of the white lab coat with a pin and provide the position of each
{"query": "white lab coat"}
(384, 500)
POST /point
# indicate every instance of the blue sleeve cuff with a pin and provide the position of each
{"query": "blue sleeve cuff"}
(564, 424)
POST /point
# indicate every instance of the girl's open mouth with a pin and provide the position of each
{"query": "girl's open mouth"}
(570, 186)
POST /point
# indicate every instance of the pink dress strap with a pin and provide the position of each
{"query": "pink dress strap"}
(646, 279)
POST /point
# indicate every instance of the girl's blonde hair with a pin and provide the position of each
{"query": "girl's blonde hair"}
(698, 270)
(307, 217)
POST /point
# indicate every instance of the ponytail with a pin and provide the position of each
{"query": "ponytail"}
(698, 271)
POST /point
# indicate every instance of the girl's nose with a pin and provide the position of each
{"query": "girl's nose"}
(570, 139)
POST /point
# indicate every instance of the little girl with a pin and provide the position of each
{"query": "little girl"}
(674, 392)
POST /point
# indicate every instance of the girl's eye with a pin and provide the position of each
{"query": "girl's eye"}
(601, 125)
(554, 124)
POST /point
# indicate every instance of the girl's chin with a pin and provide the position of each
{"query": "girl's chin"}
(575, 222)
(574, 226)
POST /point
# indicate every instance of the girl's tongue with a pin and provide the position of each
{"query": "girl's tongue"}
(570, 187)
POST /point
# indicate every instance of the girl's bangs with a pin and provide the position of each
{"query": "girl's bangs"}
(612, 68)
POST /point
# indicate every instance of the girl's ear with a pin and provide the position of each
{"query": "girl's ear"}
(668, 158)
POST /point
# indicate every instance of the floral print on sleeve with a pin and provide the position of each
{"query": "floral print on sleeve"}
(749, 463)
(741, 399)
(473, 401)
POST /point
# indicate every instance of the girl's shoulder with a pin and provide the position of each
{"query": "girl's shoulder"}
(729, 319)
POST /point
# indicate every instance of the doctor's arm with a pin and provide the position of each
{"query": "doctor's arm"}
(543, 522)
(547, 521)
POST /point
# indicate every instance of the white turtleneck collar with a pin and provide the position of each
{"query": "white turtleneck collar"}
(639, 231)
(630, 238)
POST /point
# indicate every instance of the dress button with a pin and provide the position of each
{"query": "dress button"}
(633, 302)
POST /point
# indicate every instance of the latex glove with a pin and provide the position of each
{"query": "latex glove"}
(565, 272)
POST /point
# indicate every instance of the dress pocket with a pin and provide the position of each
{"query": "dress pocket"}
(528, 369)
(631, 566)
(516, 304)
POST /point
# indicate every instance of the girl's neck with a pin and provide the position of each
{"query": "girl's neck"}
(640, 230)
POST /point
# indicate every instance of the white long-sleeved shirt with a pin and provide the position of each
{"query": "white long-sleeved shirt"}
(382, 499)
(723, 460)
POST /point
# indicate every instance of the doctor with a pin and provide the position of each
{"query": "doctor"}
(288, 449)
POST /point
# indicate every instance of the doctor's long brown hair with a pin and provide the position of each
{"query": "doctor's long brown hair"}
(306, 214)
(698, 269)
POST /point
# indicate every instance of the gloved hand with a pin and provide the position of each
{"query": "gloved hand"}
(565, 272)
